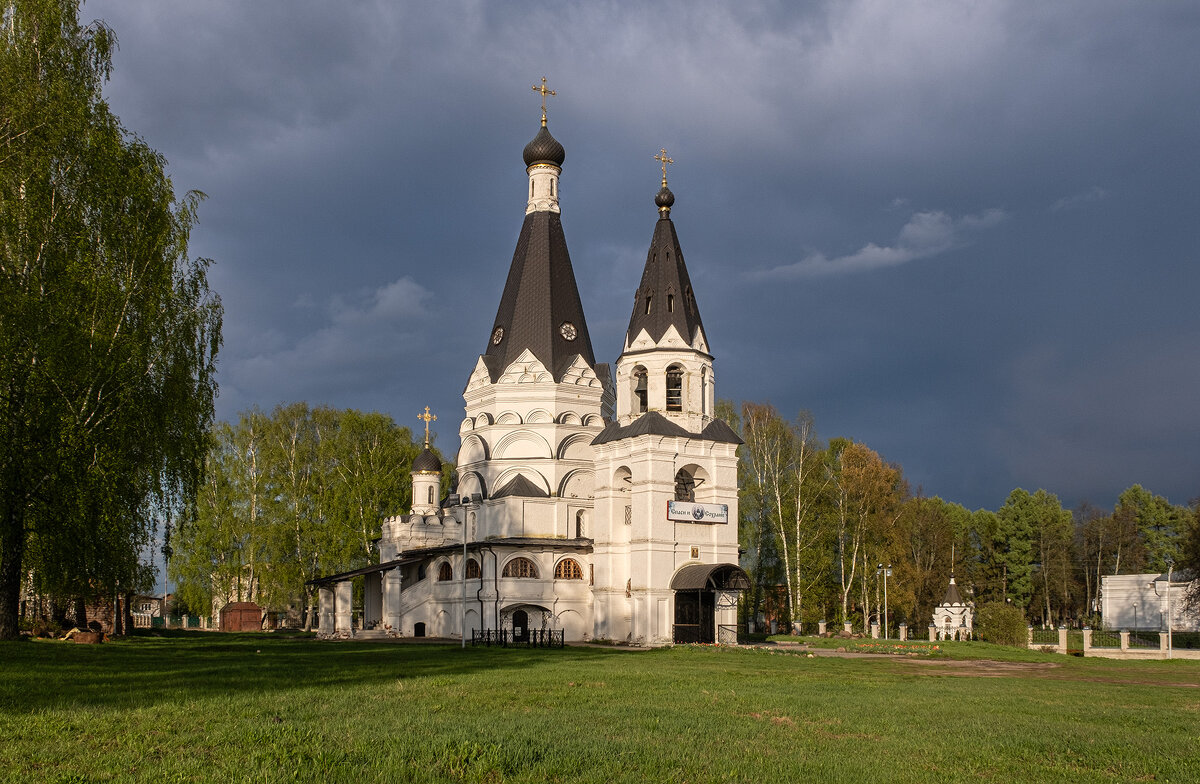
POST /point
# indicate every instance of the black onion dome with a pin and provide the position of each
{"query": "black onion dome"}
(428, 462)
(665, 198)
(544, 149)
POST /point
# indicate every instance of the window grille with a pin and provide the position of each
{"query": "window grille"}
(472, 569)
(445, 572)
(521, 568)
(568, 569)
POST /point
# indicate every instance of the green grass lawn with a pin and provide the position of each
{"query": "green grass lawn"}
(211, 707)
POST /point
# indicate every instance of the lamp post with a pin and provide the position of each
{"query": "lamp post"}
(886, 571)
(1170, 568)
(1135, 617)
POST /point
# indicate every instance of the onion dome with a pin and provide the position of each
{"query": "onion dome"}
(427, 463)
(664, 200)
(544, 149)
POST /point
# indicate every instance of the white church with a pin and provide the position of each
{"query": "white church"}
(591, 502)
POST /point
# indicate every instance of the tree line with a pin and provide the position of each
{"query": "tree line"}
(819, 519)
(287, 497)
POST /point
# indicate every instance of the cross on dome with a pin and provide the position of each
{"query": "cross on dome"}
(664, 160)
(427, 417)
(544, 90)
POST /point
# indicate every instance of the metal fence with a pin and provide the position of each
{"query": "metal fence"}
(1143, 640)
(534, 638)
(1103, 639)
(1185, 640)
(1044, 636)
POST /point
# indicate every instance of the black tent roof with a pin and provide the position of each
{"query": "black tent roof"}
(540, 309)
(664, 297)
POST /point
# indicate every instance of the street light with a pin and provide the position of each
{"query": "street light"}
(1170, 568)
(887, 572)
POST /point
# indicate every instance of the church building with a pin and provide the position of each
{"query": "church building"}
(593, 500)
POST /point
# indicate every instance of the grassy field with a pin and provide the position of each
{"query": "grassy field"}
(209, 707)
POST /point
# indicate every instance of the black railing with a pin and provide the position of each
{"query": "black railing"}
(1143, 639)
(532, 638)
(1045, 636)
(1185, 640)
(1104, 639)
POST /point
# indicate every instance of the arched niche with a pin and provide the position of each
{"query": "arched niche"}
(578, 484)
(470, 484)
(473, 450)
(522, 444)
(576, 447)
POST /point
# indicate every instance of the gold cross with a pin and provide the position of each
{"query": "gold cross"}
(664, 160)
(428, 417)
(544, 91)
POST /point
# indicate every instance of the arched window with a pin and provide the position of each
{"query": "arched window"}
(472, 569)
(580, 528)
(674, 388)
(520, 567)
(430, 501)
(640, 389)
(445, 573)
(704, 391)
(685, 486)
(568, 569)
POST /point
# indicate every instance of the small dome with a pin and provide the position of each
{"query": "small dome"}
(544, 149)
(665, 198)
(428, 462)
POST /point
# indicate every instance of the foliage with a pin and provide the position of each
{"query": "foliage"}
(274, 708)
(288, 497)
(108, 332)
(1002, 624)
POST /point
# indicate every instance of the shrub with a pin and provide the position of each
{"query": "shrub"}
(1002, 624)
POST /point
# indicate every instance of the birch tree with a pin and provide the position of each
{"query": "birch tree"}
(108, 331)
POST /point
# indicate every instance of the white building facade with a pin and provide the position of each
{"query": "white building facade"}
(1145, 602)
(598, 505)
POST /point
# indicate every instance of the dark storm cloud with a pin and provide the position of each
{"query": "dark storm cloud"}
(961, 233)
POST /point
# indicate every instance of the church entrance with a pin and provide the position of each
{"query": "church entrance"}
(520, 626)
(694, 616)
(706, 602)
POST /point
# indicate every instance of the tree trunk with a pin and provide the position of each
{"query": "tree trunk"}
(117, 626)
(81, 619)
(12, 549)
(128, 613)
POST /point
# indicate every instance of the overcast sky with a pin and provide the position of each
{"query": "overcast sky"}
(963, 233)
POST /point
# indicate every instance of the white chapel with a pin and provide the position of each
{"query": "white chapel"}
(592, 502)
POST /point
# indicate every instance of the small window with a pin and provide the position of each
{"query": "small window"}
(674, 388)
(430, 501)
(520, 568)
(472, 569)
(640, 388)
(649, 299)
(445, 573)
(580, 528)
(568, 569)
(685, 486)
(420, 572)
(670, 303)
(704, 391)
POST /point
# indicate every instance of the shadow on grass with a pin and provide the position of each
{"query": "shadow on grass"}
(175, 665)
